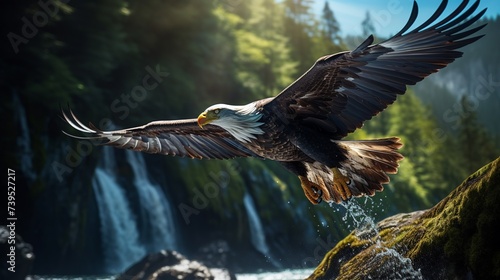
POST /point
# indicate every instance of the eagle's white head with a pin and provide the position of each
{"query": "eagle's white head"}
(242, 122)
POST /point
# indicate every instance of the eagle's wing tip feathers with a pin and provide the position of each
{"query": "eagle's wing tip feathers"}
(74, 122)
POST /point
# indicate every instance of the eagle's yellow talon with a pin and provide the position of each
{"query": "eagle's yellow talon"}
(341, 183)
(312, 192)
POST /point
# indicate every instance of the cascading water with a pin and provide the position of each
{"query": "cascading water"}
(365, 227)
(257, 234)
(24, 140)
(119, 235)
(158, 228)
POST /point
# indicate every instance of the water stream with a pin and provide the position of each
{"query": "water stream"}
(158, 227)
(126, 237)
(257, 234)
(24, 140)
(361, 219)
(119, 234)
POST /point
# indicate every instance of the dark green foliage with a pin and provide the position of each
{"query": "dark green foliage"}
(300, 23)
(476, 143)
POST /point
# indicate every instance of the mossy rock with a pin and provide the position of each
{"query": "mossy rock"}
(455, 239)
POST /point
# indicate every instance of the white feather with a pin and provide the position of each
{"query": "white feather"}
(241, 121)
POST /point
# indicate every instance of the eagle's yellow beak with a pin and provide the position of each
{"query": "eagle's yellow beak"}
(206, 118)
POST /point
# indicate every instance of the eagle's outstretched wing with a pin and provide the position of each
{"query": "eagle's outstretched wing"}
(182, 138)
(343, 90)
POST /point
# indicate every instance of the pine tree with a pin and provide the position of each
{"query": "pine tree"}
(476, 146)
(367, 25)
(300, 24)
(330, 26)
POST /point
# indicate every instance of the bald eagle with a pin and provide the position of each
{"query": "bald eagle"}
(303, 126)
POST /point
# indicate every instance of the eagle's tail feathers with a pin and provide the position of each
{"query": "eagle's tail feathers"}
(362, 173)
(369, 162)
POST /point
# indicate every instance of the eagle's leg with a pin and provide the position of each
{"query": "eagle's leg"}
(341, 184)
(311, 190)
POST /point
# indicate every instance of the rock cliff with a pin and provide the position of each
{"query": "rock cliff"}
(455, 239)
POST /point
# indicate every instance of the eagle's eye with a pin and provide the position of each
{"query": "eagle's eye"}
(217, 111)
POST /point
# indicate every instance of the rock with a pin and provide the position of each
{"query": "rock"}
(22, 257)
(455, 239)
(166, 265)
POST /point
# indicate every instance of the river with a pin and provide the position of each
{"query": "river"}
(276, 275)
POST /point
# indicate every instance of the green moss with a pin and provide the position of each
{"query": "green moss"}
(458, 234)
(328, 268)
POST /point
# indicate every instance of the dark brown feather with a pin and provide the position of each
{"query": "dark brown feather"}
(349, 88)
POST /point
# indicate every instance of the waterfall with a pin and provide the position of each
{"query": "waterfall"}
(156, 214)
(119, 235)
(257, 234)
(24, 140)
